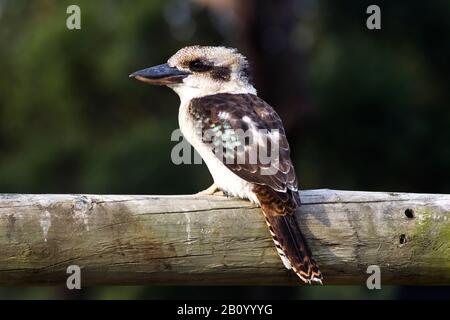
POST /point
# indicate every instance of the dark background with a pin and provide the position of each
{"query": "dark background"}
(363, 110)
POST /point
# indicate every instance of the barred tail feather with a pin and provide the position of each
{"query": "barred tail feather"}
(289, 241)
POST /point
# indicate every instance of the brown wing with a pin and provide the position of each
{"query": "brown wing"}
(226, 121)
(228, 116)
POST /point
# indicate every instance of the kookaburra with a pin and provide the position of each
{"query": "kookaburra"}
(217, 96)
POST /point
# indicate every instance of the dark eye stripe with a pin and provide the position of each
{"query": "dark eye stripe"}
(199, 66)
(221, 73)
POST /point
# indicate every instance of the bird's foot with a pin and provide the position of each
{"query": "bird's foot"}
(211, 191)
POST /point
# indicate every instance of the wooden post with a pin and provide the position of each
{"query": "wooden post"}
(216, 240)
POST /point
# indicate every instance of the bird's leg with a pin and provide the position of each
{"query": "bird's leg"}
(213, 190)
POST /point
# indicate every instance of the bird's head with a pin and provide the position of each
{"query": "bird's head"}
(197, 71)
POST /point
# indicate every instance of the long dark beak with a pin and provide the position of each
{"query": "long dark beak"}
(162, 74)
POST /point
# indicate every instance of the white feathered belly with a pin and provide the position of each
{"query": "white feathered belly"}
(224, 177)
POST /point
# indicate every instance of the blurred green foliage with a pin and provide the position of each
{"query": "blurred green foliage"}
(375, 115)
(71, 120)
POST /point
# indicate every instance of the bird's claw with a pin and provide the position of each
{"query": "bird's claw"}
(211, 191)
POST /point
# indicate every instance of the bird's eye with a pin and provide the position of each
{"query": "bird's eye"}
(199, 66)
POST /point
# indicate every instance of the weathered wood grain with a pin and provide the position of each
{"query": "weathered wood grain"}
(215, 240)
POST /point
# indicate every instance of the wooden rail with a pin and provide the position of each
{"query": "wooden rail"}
(210, 240)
